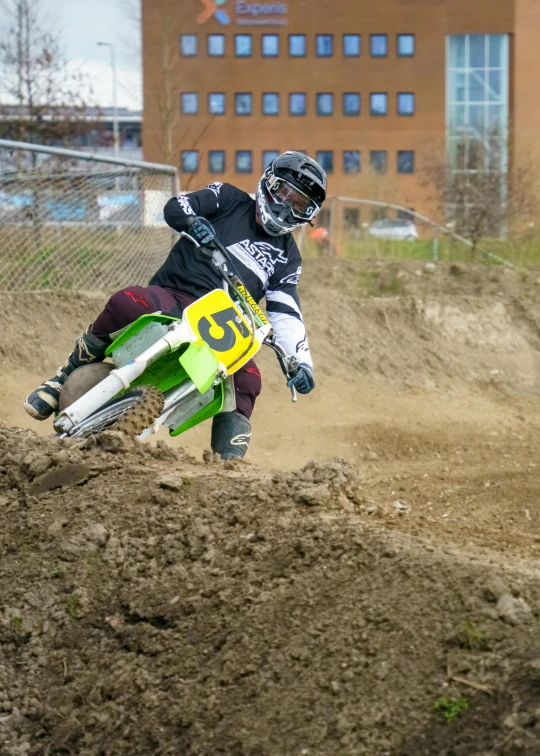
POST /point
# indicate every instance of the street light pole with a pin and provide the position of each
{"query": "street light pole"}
(115, 109)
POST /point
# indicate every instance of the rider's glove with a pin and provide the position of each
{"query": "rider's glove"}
(202, 232)
(303, 381)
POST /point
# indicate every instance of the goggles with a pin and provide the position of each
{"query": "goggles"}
(300, 205)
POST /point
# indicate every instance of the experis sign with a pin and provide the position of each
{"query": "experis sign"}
(247, 14)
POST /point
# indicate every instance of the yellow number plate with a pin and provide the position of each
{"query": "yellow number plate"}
(216, 320)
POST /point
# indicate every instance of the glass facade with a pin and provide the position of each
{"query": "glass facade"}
(190, 161)
(188, 45)
(325, 104)
(351, 161)
(243, 45)
(324, 45)
(325, 159)
(243, 102)
(378, 160)
(351, 45)
(405, 161)
(216, 103)
(297, 104)
(477, 80)
(405, 103)
(189, 102)
(379, 104)
(270, 45)
(216, 45)
(244, 161)
(405, 45)
(379, 45)
(297, 45)
(351, 103)
(270, 103)
(268, 157)
(216, 161)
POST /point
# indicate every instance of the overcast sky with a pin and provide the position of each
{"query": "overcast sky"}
(85, 22)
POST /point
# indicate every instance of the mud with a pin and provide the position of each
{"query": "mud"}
(154, 603)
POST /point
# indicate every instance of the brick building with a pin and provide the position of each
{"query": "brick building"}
(371, 88)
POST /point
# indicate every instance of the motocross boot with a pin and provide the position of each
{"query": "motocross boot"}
(231, 434)
(42, 402)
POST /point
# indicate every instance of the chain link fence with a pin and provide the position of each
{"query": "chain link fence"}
(360, 229)
(71, 220)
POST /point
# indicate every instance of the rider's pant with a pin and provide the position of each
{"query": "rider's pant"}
(130, 303)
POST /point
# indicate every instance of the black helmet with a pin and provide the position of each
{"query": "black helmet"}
(290, 193)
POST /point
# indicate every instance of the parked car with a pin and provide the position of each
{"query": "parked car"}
(402, 230)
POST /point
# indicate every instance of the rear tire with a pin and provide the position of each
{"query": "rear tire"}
(130, 414)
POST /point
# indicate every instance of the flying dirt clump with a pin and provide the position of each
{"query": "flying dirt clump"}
(154, 604)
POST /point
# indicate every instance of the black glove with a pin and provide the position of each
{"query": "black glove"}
(202, 232)
(303, 381)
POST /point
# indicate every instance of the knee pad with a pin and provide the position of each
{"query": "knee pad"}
(231, 434)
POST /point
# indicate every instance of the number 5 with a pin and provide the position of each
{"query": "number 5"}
(227, 321)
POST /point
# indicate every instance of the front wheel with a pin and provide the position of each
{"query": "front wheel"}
(130, 413)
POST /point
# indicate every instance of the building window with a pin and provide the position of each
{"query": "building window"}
(268, 157)
(297, 45)
(379, 160)
(405, 103)
(351, 161)
(270, 103)
(325, 104)
(405, 45)
(216, 45)
(244, 161)
(477, 91)
(216, 103)
(351, 45)
(297, 104)
(325, 159)
(351, 217)
(379, 45)
(405, 161)
(188, 45)
(243, 45)
(190, 161)
(216, 161)
(243, 103)
(270, 45)
(407, 215)
(379, 104)
(324, 45)
(351, 104)
(189, 103)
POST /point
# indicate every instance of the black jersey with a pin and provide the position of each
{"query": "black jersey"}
(270, 266)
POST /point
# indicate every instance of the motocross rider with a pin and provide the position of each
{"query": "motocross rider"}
(257, 234)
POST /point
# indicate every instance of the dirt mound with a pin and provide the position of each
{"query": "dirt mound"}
(153, 604)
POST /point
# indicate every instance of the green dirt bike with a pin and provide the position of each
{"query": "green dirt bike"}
(171, 372)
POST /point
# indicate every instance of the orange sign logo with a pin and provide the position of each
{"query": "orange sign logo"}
(211, 8)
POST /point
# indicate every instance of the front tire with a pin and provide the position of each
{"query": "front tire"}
(130, 414)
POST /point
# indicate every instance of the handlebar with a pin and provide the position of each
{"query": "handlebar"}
(221, 260)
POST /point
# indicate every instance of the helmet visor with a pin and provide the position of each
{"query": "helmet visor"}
(301, 206)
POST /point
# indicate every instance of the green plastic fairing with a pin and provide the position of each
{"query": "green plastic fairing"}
(215, 406)
(137, 326)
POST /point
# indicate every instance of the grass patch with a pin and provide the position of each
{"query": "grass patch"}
(473, 637)
(16, 622)
(72, 605)
(451, 708)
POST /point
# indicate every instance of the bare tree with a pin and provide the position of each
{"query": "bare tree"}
(162, 98)
(44, 103)
(479, 192)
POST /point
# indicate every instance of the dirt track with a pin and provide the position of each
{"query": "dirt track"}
(239, 613)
